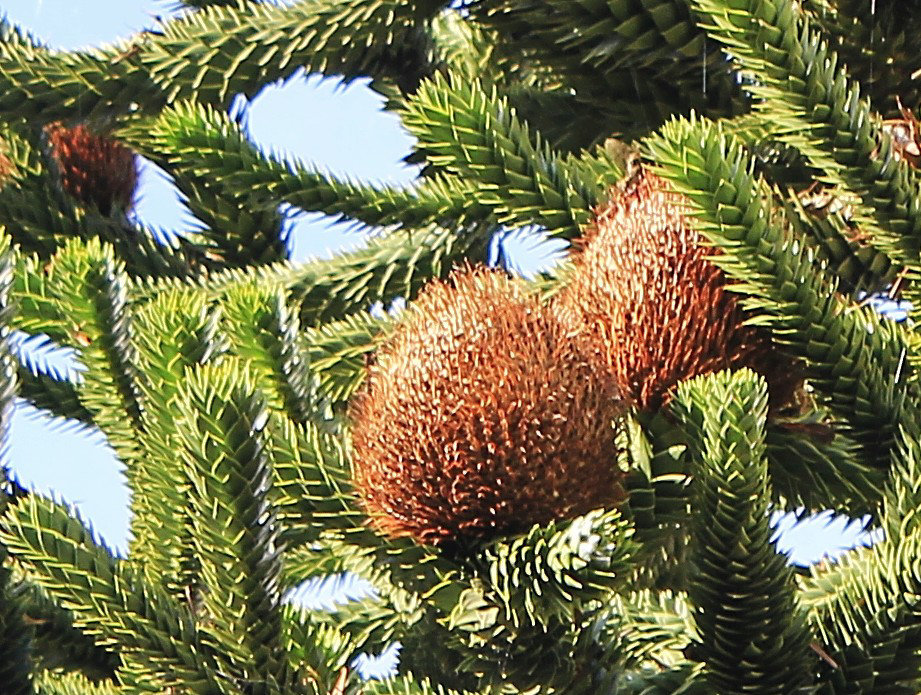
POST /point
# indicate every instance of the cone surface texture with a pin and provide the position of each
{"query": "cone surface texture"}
(95, 170)
(484, 414)
(645, 289)
(6, 169)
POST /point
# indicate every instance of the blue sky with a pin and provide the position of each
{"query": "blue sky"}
(340, 129)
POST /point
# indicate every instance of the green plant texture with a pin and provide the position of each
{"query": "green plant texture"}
(229, 380)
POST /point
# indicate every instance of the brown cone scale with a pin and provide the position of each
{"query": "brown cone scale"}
(6, 169)
(94, 169)
(643, 285)
(6, 166)
(483, 415)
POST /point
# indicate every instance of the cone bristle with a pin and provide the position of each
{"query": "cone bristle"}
(484, 414)
(645, 287)
(94, 169)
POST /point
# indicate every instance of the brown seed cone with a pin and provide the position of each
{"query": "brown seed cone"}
(483, 414)
(643, 286)
(94, 169)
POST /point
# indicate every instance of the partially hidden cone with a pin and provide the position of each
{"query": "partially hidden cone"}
(95, 169)
(644, 286)
(483, 414)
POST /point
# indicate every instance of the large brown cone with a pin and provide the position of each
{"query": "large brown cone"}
(483, 414)
(644, 287)
(94, 169)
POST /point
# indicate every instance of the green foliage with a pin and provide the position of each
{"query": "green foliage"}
(16, 667)
(212, 55)
(235, 536)
(855, 31)
(71, 684)
(207, 144)
(59, 645)
(223, 374)
(108, 598)
(634, 62)
(854, 356)
(339, 350)
(738, 572)
(816, 108)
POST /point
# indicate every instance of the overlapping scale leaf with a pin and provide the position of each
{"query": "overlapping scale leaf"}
(658, 475)
(649, 629)
(265, 333)
(108, 598)
(401, 570)
(248, 46)
(855, 359)
(406, 684)
(859, 267)
(397, 265)
(38, 313)
(392, 266)
(91, 291)
(10, 33)
(522, 613)
(752, 635)
(312, 483)
(42, 218)
(468, 130)
(319, 653)
(57, 644)
(205, 142)
(550, 573)
(339, 352)
(406, 577)
(868, 36)
(613, 35)
(816, 467)
(235, 230)
(16, 663)
(684, 679)
(366, 620)
(235, 532)
(550, 659)
(804, 89)
(475, 51)
(54, 394)
(21, 180)
(865, 610)
(213, 55)
(643, 60)
(810, 464)
(39, 227)
(175, 332)
(51, 683)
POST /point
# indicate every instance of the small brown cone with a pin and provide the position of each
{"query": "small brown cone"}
(94, 169)
(483, 414)
(644, 288)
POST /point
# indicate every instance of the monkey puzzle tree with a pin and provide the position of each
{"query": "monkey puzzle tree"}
(561, 485)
